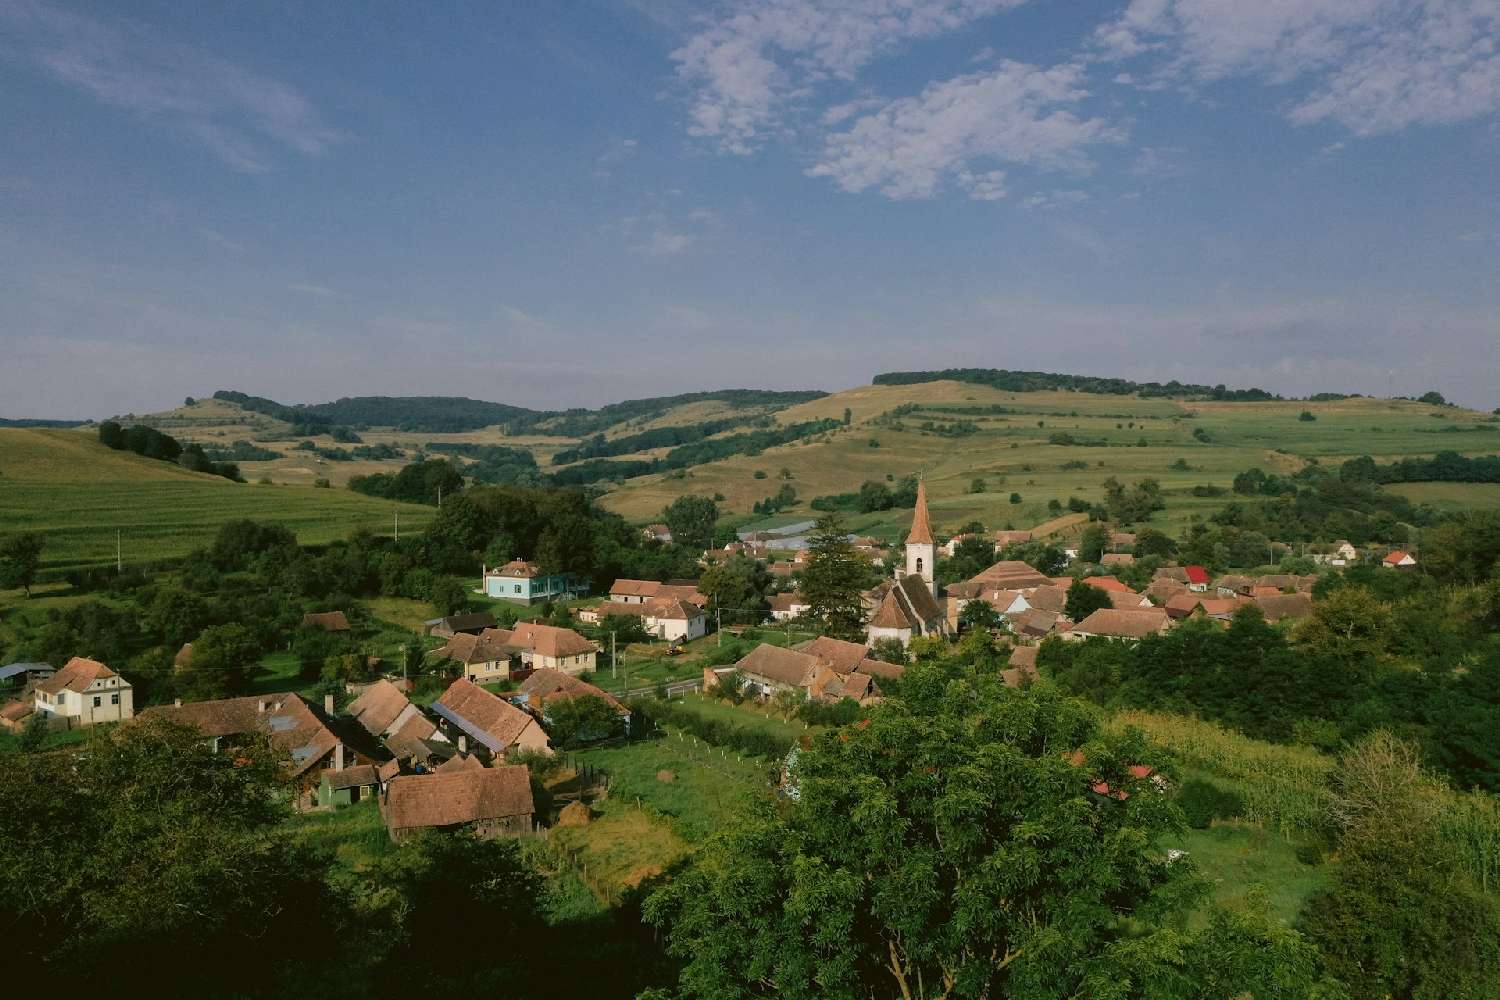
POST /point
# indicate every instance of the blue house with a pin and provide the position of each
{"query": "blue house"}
(525, 583)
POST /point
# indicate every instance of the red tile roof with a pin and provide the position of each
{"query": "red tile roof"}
(76, 675)
(463, 797)
(921, 527)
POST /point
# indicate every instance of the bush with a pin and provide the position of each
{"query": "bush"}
(1309, 852)
(717, 732)
(1202, 802)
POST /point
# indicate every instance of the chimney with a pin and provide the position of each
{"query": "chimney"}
(328, 705)
(463, 744)
(338, 755)
(176, 702)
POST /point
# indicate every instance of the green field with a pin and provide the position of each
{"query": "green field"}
(1012, 452)
(1243, 861)
(1450, 496)
(80, 494)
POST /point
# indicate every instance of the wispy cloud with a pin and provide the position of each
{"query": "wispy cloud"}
(320, 291)
(1014, 113)
(242, 116)
(1051, 200)
(220, 240)
(1372, 66)
(747, 67)
(620, 150)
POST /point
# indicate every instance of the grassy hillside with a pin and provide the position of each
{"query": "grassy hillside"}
(1009, 440)
(79, 493)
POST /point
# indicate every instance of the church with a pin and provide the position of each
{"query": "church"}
(908, 605)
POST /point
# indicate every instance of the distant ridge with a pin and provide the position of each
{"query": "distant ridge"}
(1017, 381)
(454, 414)
(30, 422)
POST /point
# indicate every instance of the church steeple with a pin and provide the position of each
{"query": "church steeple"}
(921, 527)
(921, 548)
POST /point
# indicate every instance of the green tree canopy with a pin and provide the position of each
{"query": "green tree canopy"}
(833, 580)
(1083, 599)
(691, 521)
(20, 558)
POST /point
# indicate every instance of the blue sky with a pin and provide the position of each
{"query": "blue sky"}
(571, 203)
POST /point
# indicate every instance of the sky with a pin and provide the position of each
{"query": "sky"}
(572, 203)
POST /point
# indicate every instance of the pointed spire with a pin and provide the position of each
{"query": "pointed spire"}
(921, 527)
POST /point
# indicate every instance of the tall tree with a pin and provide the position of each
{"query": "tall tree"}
(738, 583)
(20, 557)
(833, 579)
(1083, 599)
(691, 521)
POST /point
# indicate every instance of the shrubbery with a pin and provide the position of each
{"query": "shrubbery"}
(1202, 802)
(720, 733)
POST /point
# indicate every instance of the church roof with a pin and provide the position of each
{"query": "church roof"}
(921, 527)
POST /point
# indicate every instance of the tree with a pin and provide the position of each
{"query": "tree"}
(691, 521)
(1015, 498)
(978, 615)
(888, 650)
(738, 583)
(962, 874)
(977, 486)
(624, 628)
(1307, 416)
(581, 719)
(449, 597)
(1433, 398)
(1401, 916)
(1150, 542)
(1093, 542)
(20, 557)
(1350, 625)
(222, 657)
(150, 863)
(873, 496)
(1084, 599)
(848, 416)
(34, 736)
(833, 580)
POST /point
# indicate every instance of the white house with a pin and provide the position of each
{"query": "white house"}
(85, 692)
(785, 607)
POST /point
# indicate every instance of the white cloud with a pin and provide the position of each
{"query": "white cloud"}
(1012, 114)
(1158, 163)
(236, 113)
(986, 186)
(1049, 200)
(1372, 66)
(620, 150)
(747, 66)
(664, 242)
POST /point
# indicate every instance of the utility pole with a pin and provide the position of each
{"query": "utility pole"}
(440, 496)
(614, 660)
(398, 526)
(718, 624)
(119, 554)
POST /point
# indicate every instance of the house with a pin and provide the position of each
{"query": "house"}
(848, 658)
(1022, 668)
(1278, 582)
(1163, 589)
(1230, 585)
(1127, 600)
(1108, 583)
(346, 787)
(459, 763)
(20, 674)
(646, 591)
(328, 621)
(492, 802)
(1011, 574)
(1035, 623)
(15, 715)
(1124, 626)
(1279, 607)
(657, 533)
(772, 668)
(1117, 559)
(1187, 604)
(292, 725)
(524, 583)
(673, 619)
(1004, 538)
(1049, 598)
(470, 624)
(494, 724)
(1121, 541)
(785, 607)
(548, 687)
(552, 647)
(1399, 560)
(1197, 578)
(383, 710)
(487, 657)
(84, 692)
(950, 547)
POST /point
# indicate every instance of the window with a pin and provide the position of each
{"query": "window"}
(114, 699)
(98, 701)
(919, 565)
(518, 588)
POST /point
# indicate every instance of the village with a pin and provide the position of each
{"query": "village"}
(461, 760)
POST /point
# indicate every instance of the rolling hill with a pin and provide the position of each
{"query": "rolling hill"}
(78, 493)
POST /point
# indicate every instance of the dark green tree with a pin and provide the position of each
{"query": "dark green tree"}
(1084, 599)
(739, 584)
(20, 558)
(691, 521)
(833, 580)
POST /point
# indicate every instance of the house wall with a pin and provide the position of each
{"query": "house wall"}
(677, 630)
(575, 665)
(488, 671)
(116, 703)
(902, 635)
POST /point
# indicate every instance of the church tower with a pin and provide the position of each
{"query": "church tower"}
(921, 549)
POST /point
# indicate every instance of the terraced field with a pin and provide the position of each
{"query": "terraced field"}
(79, 494)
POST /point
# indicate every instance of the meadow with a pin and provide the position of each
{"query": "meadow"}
(83, 496)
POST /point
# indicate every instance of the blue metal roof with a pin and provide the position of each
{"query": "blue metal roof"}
(16, 669)
(473, 731)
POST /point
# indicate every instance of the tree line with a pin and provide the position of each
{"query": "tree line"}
(152, 443)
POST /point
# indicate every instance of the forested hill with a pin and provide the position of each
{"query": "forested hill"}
(453, 414)
(1014, 381)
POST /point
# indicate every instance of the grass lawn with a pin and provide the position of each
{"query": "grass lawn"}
(1241, 859)
(707, 790)
(355, 835)
(402, 612)
(56, 740)
(1450, 497)
(621, 847)
(749, 715)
